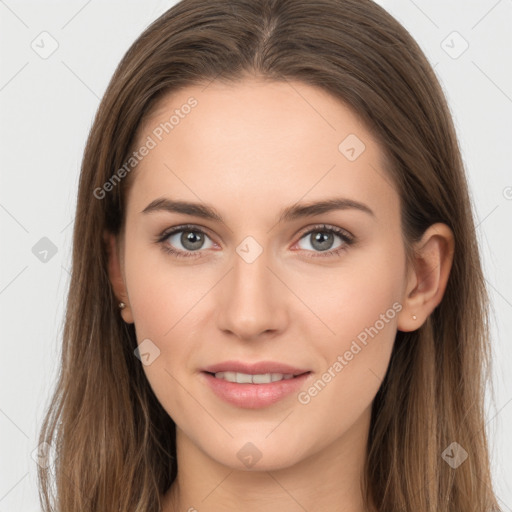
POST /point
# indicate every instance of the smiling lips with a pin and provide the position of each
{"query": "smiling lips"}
(252, 386)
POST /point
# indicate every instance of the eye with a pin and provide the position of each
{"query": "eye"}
(321, 239)
(190, 238)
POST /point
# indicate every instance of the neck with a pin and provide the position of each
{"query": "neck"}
(329, 480)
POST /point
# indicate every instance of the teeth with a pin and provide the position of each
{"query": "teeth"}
(246, 378)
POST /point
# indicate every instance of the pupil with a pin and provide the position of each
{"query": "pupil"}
(324, 240)
(191, 240)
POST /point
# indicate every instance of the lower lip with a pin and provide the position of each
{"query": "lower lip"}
(254, 396)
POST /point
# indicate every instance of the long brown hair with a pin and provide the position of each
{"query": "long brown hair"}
(114, 443)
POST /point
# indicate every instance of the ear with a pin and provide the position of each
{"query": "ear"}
(116, 275)
(426, 282)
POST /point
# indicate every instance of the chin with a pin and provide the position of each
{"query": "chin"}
(257, 455)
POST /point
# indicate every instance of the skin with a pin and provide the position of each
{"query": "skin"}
(250, 149)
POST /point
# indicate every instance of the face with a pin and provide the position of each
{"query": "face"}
(266, 284)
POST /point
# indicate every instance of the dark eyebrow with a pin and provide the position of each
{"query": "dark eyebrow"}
(288, 214)
(297, 211)
(195, 209)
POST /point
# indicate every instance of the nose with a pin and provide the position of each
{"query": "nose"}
(253, 301)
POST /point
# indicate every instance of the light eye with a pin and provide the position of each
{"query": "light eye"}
(189, 239)
(321, 239)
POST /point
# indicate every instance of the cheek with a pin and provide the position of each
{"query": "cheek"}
(363, 291)
(358, 306)
(162, 294)
(362, 319)
(166, 305)
(354, 361)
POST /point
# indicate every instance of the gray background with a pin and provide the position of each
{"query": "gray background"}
(46, 110)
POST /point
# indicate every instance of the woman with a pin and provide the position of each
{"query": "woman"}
(277, 300)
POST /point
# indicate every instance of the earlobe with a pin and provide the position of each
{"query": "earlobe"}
(116, 276)
(428, 279)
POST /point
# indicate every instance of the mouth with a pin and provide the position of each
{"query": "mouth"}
(253, 386)
(258, 378)
(253, 369)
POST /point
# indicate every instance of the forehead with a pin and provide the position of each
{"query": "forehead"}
(256, 138)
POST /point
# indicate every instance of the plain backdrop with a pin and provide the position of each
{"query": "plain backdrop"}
(47, 104)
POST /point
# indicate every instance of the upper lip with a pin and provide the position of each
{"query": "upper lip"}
(258, 368)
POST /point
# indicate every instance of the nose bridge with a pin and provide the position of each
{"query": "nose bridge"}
(251, 304)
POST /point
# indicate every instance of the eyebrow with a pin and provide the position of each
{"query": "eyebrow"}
(287, 214)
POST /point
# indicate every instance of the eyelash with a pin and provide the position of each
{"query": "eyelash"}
(347, 240)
